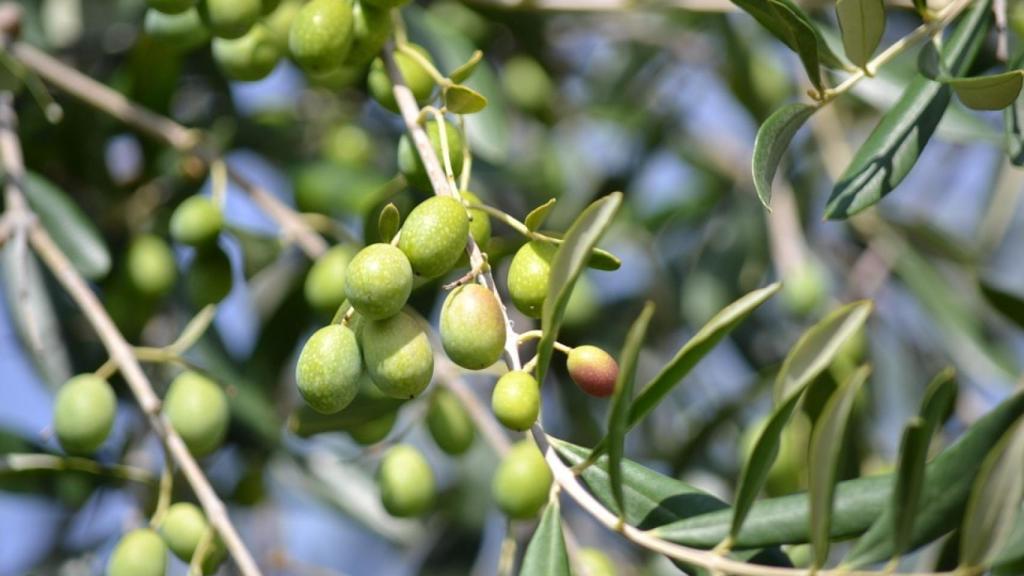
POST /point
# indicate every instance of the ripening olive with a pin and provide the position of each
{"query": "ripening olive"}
(329, 368)
(373, 431)
(528, 276)
(150, 265)
(279, 22)
(449, 424)
(249, 58)
(139, 553)
(378, 281)
(516, 400)
(325, 283)
(198, 411)
(409, 163)
(472, 327)
(526, 83)
(209, 278)
(371, 27)
(197, 221)
(181, 32)
(84, 413)
(597, 563)
(406, 482)
(593, 370)
(434, 235)
(183, 527)
(230, 18)
(522, 481)
(398, 355)
(386, 3)
(415, 76)
(171, 6)
(321, 35)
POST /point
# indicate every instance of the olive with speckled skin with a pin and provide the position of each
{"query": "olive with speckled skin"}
(406, 482)
(181, 32)
(248, 58)
(325, 283)
(321, 35)
(516, 400)
(378, 281)
(183, 527)
(198, 411)
(416, 77)
(449, 424)
(150, 265)
(472, 327)
(409, 163)
(434, 235)
(397, 354)
(84, 413)
(528, 276)
(522, 482)
(197, 221)
(139, 553)
(230, 18)
(171, 6)
(593, 370)
(371, 28)
(329, 368)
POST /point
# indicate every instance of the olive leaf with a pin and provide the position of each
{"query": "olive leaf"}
(546, 554)
(463, 72)
(461, 99)
(993, 92)
(1009, 304)
(388, 222)
(773, 137)
(1013, 122)
(929, 62)
(535, 219)
(862, 23)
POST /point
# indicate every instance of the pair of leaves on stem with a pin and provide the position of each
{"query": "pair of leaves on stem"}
(462, 99)
(993, 92)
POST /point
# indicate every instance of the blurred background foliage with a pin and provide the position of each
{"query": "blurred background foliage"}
(662, 104)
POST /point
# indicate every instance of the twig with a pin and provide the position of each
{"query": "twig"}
(19, 462)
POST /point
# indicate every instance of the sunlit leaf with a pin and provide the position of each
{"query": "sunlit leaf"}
(546, 552)
(535, 219)
(773, 138)
(462, 73)
(988, 92)
(464, 100)
(862, 23)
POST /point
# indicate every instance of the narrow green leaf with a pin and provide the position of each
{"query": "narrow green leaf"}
(566, 267)
(993, 92)
(535, 219)
(939, 397)
(462, 73)
(994, 503)
(1013, 122)
(790, 24)
(545, 554)
(773, 138)
(618, 416)
(826, 442)
(603, 260)
(1010, 560)
(893, 147)
(862, 23)
(461, 99)
(1008, 304)
(388, 222)
(910, 471)
(929, 62)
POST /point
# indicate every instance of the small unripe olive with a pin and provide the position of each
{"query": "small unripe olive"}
(522, 481)
(479, 221)
(597, 563)
(197, 221)
(516, 400)
(788, 473)
(325, 283)
(410, 164)
(150, 266)
(528, 277)
(321, 35)
(269, 6)
(343, 76)
(526, 83)
(374, 430)
(171, 6)
(805, 288)
(230, 18)
(449, 424)
(371, 27)
(183, 527)
(329, 368)
(472, 327)
(406, 482)
(386, 3)
(279, 22)
(398, 355)
(434, 235)
(348, 144)
(209, 277)
(249, 58)
(198, 411)
(182, 32)
(415, 76)
(378, 281)
(139, 553)
(593, 370)
(84, 413)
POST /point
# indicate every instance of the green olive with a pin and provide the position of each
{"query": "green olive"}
(321, 35)
(406, 482)
(805, 288)
(528, 277)
(209, 277)
(279, 22)
(398, 355)
(171, 6)
(183, 527)
(268, 6)
(593, 370)
(374, 430)
(522, 481)
(371, 29)
(449, 424)
(182, 32)
(349, 145)
(329, 368)
(325, 283)
(409, 163)
(788, 473)
(416, 77)
(479, 221)
(84, 413)
(597, 563)
(230, 18)
(150, 266)
(434, 235)
(197, 222)
(526, 83)
(472, 327)
(198, 410)
(516, 400)
(249, 58)
(378, 281)
(139, 553)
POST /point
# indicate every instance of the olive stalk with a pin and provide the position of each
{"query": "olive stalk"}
(16, 463)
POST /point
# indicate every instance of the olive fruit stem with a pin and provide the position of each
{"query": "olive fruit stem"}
(15, 463)
(164, 495)
(219, 182)
(432, 70)
(195, 566)
(469, 276)
(507, 559)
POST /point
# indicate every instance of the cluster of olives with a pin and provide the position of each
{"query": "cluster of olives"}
(197, 222)
(143, 552)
